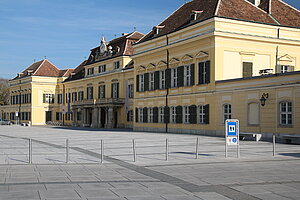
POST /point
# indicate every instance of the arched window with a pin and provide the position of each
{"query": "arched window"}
(286, 115)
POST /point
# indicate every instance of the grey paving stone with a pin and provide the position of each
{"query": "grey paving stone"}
(268, 196)
(131, 192)
(26, 187)
(91, 186)
(211, 196)
(94, 193)
(26, 195)
(59, 194)
(59, 186)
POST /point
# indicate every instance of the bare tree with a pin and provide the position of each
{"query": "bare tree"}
(4, 91)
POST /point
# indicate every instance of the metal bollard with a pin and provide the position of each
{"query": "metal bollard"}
(67, 150)
(197, 148)
(102, 151)
(30, 151)
(133, 149)
(226, 147)
(274, 142)
(167, 149)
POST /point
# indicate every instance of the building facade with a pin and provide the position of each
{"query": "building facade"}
(207, 62)
(214, 60)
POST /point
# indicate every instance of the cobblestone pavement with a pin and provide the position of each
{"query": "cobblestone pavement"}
(255, 175)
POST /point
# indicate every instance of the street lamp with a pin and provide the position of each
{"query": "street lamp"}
(263, 99)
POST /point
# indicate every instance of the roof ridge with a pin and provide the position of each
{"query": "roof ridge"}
(166, 19)
(217, 8)
(289, 5)
(39, 67)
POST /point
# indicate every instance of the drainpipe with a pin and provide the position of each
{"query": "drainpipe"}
(167, 94)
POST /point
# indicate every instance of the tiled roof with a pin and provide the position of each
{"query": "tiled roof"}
(44, 68)
(77, 73)
(120, 46)
(281, 13)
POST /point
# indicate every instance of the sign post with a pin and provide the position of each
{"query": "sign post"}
(232, 135)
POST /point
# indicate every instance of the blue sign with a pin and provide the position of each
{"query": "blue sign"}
(234, 140)
(232, 129)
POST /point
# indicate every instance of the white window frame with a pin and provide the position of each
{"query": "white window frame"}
(90, 71)
(173, 115)
(141, 115)
(186, 114)
(187, 75)
(48, 98)
(162, 80)
(285, 68)
(174, 77)
(286, 113)
(115, 90)
(131, 91)
(150, 115)
(201, 114)
(151, 81)
(227, 111)
(101, 91)
(117, 65)
(102, 68)
(161, 115)
(90, 94)
(142, 82)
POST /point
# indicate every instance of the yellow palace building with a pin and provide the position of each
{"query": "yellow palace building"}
(209, 61)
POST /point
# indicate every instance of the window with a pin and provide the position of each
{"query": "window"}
(117, 65)
(58, 116)
(141, 116)
(68, 116)
(173, 115)
(253, 114)
(162, 80)
(161, 116)
(74, 96)
(130, 116)
(174, 77)
(226, 112)
(102, 68)
(48, 98)
(131, 91)
(141, 82)
(115, 90)
(150, 115)
(186, 114)
(286, 113)
(90, 71)
(247, 69)
(101, 92)
(78, 116)
(187, 75)
(286, 68)
(204, 72)
(201, 114)
(90, 93)
(80, 95)
(151, 81)
(59, 99)
(68, 95)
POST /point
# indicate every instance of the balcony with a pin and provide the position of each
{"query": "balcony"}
(100, 102)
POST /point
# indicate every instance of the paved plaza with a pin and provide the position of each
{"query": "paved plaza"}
(152, 174)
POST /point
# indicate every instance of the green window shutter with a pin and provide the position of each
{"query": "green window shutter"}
(137, 83)
(200, 73)
(145, 115)
(207, 69)
(247, 69)
(136, 115)
(168, 78)
(192, 74)
(167, 114)
(180, 75)
(156, 80)
(146, 82)
(155, 115)
(193, 114)
(206, 116)
(179, 114)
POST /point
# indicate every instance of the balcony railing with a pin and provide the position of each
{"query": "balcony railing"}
(113, 101)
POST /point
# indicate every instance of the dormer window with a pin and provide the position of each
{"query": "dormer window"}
(29, 72)
(157, 29)
(195, 14)
(19, 75)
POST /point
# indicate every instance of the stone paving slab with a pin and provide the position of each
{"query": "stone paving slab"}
(256, 175)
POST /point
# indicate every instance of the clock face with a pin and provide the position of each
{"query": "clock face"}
(102, 48)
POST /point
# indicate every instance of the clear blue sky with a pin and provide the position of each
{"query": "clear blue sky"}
(65, 30)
